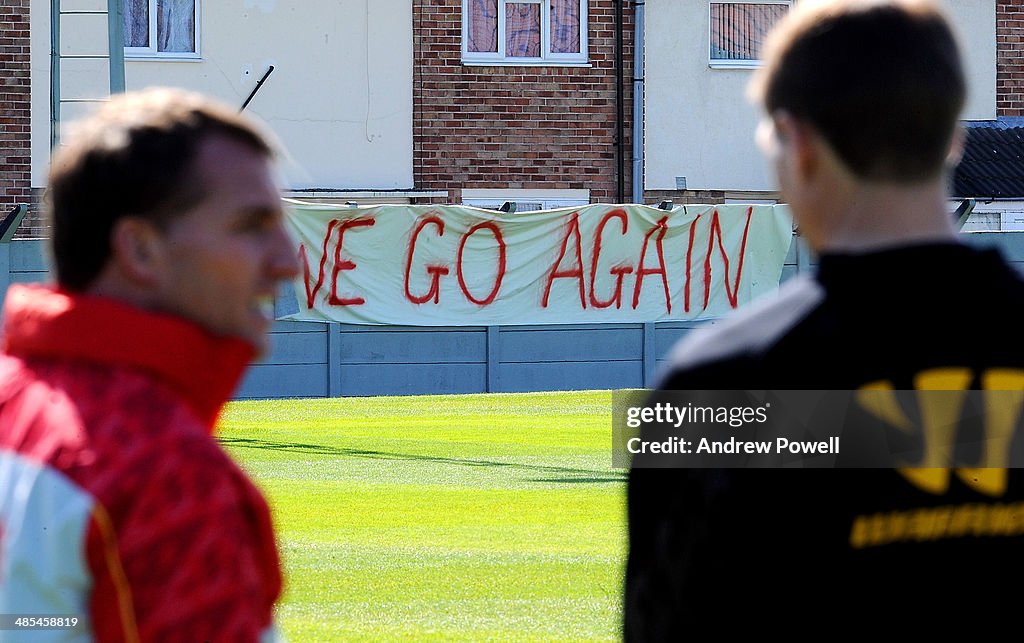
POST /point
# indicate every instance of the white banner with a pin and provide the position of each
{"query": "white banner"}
(433, 265)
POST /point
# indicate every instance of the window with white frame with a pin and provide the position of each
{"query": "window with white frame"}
(524, 32)
(161, 28)
(738, 31)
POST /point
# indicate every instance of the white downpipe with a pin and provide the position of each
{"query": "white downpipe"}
(638, 103)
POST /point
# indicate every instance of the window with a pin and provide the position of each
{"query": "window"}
(161, 28)
(738, 30)
(524, 32)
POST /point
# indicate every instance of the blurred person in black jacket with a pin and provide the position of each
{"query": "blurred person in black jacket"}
(861, 100)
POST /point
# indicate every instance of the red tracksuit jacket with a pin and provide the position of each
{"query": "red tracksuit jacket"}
(116, 504)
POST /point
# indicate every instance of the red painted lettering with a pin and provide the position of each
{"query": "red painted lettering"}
(573, 230)
(496, 231)
(620, 271)
(731, 292)
(435, 271)
(311, 293)
(689, 263)
(661, 228)
(340, 265)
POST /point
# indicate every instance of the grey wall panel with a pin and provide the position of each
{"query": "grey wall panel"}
(564, 376)
(297, 348)
(297, 380)
(1011, 244)
(665, 337)
(29, 255)
(23, 277)
(412, 379)
(571, 343)
(791, 254)
(372, 345)
(288, 326)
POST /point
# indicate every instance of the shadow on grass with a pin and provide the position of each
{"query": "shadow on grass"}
(610, 477)
(572, 475)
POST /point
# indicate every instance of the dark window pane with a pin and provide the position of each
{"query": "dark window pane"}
(738, 29)
(565, 26)
(483, 26)
(522, 30)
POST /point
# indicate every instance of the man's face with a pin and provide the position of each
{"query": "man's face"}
(224, 257)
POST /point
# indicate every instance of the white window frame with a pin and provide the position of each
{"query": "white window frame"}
(546, 58)
(151, 53)
(719, 63)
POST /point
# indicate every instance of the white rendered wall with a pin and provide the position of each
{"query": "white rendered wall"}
(698, 123)
(340, 96)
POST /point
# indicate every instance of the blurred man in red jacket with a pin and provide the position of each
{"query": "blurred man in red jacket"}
(117, 507)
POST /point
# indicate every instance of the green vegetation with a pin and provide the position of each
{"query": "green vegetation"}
(472, 517)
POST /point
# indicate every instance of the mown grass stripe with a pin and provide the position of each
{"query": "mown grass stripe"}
(469, 517)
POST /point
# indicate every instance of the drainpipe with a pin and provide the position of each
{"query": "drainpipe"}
(54, 73)
(638, 102)
(620, 100)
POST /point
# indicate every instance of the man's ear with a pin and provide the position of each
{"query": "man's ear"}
(137, 250)
(798, 142)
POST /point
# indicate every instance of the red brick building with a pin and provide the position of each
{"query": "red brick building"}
(546, 125)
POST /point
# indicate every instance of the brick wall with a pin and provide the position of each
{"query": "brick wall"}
(685, 197)
(1009, 58)
(530, 127)
(15, 106)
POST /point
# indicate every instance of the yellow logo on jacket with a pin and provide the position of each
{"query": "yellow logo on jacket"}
(940, 418)
(1003, 400)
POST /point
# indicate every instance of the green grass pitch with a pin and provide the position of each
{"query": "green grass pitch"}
(463, 517)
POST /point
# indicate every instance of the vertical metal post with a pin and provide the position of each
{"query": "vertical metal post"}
(335, 385)
(54, 73)
(620, 143)
(115, 38)
(650, 356)
(638, 102)
(5, 269)
(803, 255)
(493, 383)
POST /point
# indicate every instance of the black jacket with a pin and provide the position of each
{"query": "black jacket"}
(795, 550)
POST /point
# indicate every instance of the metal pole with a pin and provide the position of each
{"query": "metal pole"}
(115, 52)
(638, 103)
(54, 73)
(255, 89)
(620, 143)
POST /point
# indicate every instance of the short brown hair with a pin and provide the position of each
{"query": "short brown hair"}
(133, 157)
(881, 81)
